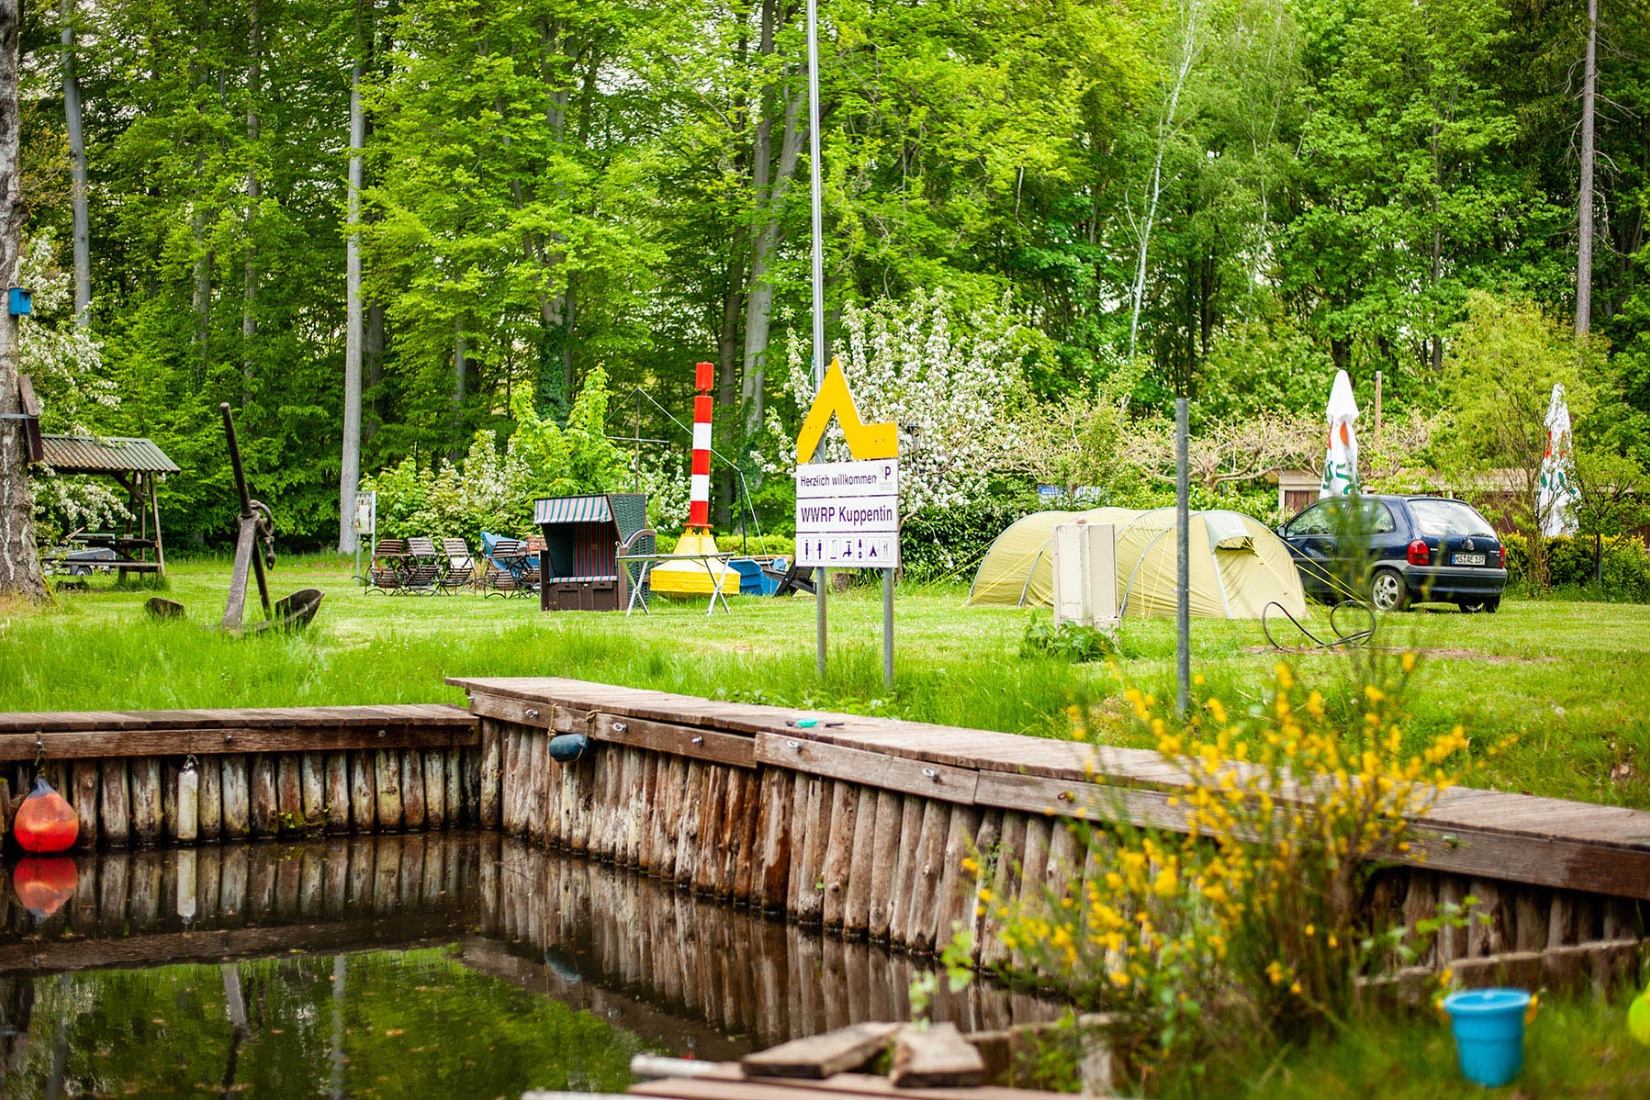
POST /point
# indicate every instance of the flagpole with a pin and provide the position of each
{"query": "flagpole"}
(818, 280)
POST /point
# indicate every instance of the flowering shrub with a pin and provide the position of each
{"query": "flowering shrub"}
(1253, 912)
(952, 383)
(66, 365)
(493, 491)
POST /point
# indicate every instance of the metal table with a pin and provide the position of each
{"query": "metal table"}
(648, 561)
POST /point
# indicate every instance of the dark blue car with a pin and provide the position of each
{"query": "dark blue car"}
(1398, 550)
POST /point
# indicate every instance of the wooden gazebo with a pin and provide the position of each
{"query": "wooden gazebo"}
(136, 464)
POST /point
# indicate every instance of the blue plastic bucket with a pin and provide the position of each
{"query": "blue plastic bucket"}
(1489, 1033)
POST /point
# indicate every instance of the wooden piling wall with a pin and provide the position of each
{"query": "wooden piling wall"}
(898, 832)
(178, 778)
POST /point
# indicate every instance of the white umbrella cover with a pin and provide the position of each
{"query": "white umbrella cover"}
(1340, 465)
(1557, 492)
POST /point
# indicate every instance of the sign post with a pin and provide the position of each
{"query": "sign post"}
(366, 523)
(847, 513)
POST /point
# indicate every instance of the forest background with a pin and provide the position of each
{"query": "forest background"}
(1043, 220)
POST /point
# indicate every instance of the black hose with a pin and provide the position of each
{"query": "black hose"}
(1348, 639)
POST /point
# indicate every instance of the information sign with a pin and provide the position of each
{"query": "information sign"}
(847, 514)
(366, 513)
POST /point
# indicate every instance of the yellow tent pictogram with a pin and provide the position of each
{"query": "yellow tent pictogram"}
(864, 440)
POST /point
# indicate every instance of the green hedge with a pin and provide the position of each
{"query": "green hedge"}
(937, 543)
(1572, 565)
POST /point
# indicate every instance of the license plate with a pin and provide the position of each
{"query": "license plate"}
(1467, 559)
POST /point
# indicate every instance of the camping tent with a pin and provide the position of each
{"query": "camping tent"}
(1238, 566)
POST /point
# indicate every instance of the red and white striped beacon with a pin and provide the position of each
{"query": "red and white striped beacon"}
(699, 480)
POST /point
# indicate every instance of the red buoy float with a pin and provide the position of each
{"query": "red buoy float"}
(45, 822)
(43, 885)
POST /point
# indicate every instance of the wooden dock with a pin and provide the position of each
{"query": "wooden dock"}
(267, 772)
(860, 825)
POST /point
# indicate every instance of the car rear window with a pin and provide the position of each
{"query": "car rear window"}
(1449, 519)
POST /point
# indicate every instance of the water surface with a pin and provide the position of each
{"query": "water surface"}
(457, 964)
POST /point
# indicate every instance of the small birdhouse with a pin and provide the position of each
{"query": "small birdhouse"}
(19, 302)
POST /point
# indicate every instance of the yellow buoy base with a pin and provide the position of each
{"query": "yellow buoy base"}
(690, 578)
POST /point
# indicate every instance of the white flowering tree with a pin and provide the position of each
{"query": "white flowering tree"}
(66, 365)
(952, 382)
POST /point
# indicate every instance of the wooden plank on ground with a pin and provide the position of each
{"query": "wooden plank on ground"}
(715, 1087)
(423, 714)
(819, 1056)
(934, 1056)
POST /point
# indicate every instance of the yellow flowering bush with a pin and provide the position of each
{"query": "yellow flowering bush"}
(1247, 906)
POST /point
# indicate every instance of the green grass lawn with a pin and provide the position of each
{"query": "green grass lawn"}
(1571, 679)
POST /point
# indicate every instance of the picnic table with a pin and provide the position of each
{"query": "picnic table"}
(126, 552)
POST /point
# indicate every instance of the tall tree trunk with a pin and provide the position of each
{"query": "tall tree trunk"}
(1165, 129)
(349, 476)
(19, 558)
(461, 366)
(373, 353)
(77, 174)
(759, 303)
(1584, 201)
(201, 300)
(254, 191)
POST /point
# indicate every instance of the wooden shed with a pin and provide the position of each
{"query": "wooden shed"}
(578, 567)
(136, 465)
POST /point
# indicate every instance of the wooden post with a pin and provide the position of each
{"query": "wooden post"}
(669, 818)
(957, 883)
(839, 853)
(1005, 889)
(923, 923)
(387, 785)
(160, 547)
(237, 798)
(84, 794)
(885, 848)
(363, 798)
(456, 814)
(856, 913)
(905, 871)
(708, 858)
(744, 817)
(435, 790)
(545, 822)
(773, 849)
(986, 844)
(313, 772)
(816, 825)
(1420, 903)
(169, 769)
(210, 805)
(289, 792)
(146, 799)
(687, 836)
(412, 789)
(654, 770)
(189, 805)
(489, 774)
(336, 795)
(266, 805)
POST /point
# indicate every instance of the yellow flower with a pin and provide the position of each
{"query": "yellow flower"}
(971, 866)
(1167, 883)
(1409, 662)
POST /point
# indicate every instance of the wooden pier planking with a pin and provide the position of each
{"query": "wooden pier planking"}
(1484, 834)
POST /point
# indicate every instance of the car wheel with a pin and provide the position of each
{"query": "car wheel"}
(1492, 605)
(1469, 608)
(1387, 591)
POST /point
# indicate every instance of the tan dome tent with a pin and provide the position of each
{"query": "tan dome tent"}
(1238, 565)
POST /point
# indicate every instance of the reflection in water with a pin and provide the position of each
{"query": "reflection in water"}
(455, 963)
